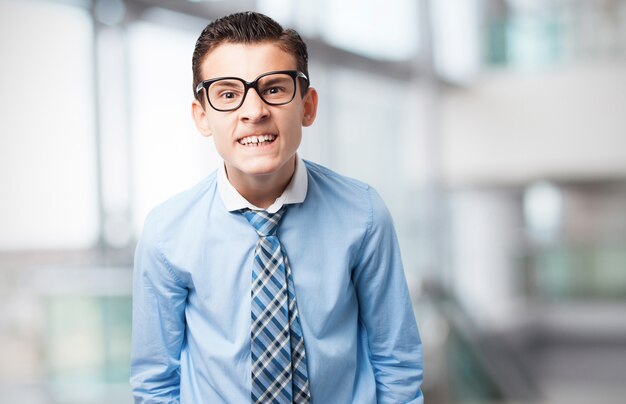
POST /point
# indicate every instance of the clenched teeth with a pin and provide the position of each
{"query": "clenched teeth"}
(255, 140)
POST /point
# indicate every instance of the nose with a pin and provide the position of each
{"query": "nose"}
(253, 108)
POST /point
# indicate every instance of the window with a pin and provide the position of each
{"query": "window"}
(47, 146)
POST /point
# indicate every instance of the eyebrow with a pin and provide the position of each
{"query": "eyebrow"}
(229, 83)
(273, 80)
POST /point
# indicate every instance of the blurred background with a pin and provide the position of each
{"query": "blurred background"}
(494, 129)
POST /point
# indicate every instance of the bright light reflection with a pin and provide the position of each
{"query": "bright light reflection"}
(47, 147)
(169, 155)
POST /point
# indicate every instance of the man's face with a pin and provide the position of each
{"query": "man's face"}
(280, 126)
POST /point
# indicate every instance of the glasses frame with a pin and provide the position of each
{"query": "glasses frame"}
(247, 85)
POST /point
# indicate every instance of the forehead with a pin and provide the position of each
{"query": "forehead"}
(247, 61)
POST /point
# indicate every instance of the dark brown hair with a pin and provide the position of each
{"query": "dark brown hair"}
(247, 27)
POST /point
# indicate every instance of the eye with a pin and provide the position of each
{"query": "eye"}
(227, 96)
(226, 91)
(276, 90)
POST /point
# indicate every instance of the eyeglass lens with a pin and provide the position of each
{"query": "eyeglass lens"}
(277, 88)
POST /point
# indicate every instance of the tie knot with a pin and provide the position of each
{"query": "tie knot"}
(263, 222)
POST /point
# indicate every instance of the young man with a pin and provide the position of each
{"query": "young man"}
(274, 279)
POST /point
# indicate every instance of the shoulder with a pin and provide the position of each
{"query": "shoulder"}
(180, 208)
(173, 224)
(344, 191)
(331, 179)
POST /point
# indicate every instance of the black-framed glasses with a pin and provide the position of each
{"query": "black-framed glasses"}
(274, 88)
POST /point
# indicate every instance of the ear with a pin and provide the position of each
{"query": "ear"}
(310, 107)
(200, 119)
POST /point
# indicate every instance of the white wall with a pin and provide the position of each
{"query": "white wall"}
(512, 127)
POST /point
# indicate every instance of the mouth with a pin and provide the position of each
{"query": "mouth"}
(257, 140)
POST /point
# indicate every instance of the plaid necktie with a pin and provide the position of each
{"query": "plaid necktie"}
(279, 373)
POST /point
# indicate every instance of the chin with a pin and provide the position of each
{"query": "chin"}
(264, 165)
(262, 171)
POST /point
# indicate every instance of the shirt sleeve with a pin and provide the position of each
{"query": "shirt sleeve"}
(158, 328)
(386, 312)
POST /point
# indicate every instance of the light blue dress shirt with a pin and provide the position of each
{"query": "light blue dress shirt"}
(191, 295)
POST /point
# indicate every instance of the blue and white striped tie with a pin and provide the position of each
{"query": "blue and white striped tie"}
(279, 372)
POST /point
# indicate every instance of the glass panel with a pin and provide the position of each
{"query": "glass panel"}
(169, 155)
(377, 28)
(372, 138)
(532, 35)
(88, 348)
(457, 44)
(47, 147)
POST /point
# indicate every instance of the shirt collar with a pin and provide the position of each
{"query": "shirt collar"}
(294, 193)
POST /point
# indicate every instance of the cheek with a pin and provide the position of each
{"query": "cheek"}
(222, 138)
(293, 124)
(221, 127)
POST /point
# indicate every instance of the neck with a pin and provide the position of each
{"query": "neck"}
(263, 189)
